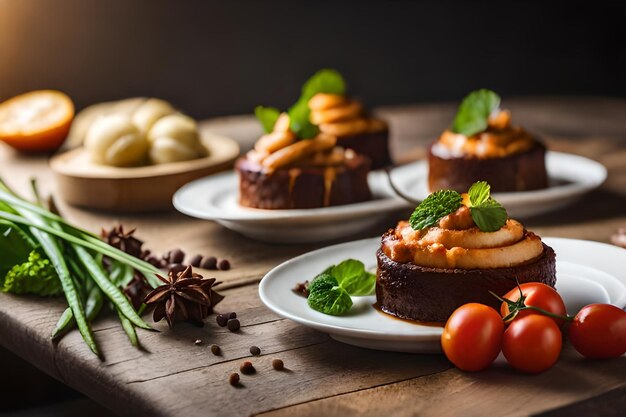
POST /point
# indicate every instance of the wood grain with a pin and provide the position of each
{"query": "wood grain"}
(173, 376)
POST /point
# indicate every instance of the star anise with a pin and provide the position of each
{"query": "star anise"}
(184, 295)
(124, 241)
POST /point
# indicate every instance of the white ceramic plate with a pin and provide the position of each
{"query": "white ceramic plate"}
(570, 177)
(587, 272)
(215, 198)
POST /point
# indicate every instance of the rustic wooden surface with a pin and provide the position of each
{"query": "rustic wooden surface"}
(173, 376)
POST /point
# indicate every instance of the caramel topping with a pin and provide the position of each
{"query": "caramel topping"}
(499, 140)
(339, 116)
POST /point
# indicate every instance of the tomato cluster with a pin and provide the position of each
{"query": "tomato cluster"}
(528, 331)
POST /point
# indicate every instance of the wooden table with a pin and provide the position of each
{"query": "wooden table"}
(174, 377)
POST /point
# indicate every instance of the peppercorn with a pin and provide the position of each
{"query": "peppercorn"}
(177, 256)
(247, 368)
(234, 379)
(278, 364)
(209, 263)
(223, 265)
(176, 268)
(254, 350)
(196, 261)
(232, 315)
(216, 350)
(233, 325)
(221, 319)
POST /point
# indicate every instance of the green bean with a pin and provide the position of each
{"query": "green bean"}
(101, 247)
(108, 288)
(53, 250)
(129, 329)
(64, 323)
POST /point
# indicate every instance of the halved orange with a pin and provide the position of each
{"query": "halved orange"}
(37, 121)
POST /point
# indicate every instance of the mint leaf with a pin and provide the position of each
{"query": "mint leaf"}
(326, 296)
(267, 116)
(327, 81)
(299, 120)
(324, 81)
(490, 216)
(353, 277)
(474, 111)
(437, 205)
(479, 193)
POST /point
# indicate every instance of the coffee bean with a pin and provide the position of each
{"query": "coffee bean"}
(247, 368)
(196, 261)
(216, 350)
(222, 320)
(255, 350)
(223, 265)
(278, 364)
(177, 256)
(234, 379)
(209, 263)
(154, 261)
(233, 325)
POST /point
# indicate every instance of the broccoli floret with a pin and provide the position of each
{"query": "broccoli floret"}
(35, 276)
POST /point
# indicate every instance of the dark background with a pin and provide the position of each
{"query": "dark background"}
(223, 57)
(214, 58)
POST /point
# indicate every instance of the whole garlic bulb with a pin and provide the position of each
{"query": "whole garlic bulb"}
(151, 110)
(115, 140)
(175, 138)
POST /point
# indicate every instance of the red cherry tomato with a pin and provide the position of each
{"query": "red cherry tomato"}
(472, 337)
(599, 331)
(537, 295)
(532, 344)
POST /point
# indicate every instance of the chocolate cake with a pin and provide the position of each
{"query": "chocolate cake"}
(426, 294)
(303, 186)
(521, 171)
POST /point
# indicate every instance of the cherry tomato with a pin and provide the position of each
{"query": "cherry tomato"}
(599, 331)
(537, 295)
(532, 344)
(472, 337)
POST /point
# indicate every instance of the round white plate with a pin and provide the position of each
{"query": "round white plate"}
(215, 198)
(587, 272)
(570, 176)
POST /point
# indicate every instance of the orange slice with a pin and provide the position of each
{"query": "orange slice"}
(37, 121)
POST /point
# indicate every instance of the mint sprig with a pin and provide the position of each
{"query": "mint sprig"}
(330, 291)
(267, 116)
(434, 207)
(487, 213)
(324, 81)
(474, 111)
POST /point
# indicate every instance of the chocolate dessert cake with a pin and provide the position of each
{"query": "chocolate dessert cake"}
(346, 119)
(506, 156)
(285, 172)
(426, 273)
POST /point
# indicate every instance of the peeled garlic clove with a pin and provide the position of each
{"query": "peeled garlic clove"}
(176, 126)
(115, 140)
(165, 149)
(153, 109)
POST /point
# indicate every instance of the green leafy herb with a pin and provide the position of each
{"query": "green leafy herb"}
(326, 296)
(330, 291)
(15, 246)
(353, 277)
(267, 116)
(324, 81)
(434, 207)
(474, 112)
(487, 213)
(35, 276)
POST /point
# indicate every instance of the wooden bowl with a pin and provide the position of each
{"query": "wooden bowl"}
(83, 183)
